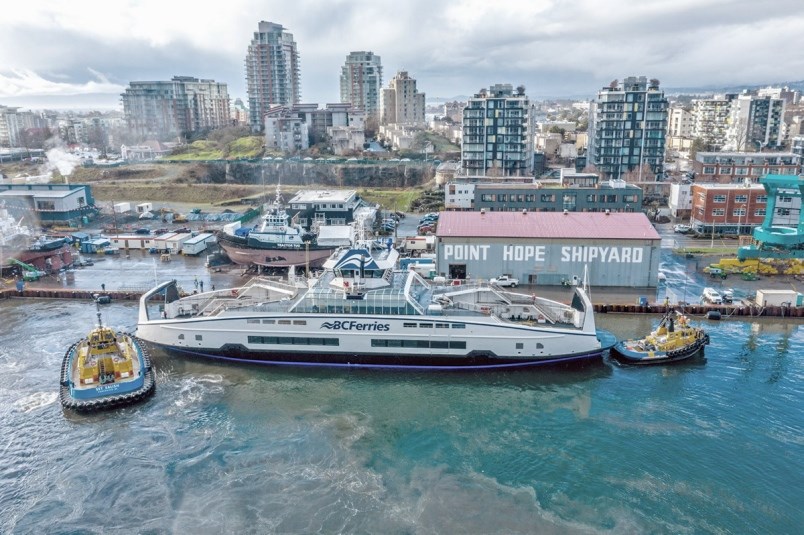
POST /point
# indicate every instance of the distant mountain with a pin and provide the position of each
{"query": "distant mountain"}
(710, 89)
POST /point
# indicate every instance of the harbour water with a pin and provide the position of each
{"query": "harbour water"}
(710, 446)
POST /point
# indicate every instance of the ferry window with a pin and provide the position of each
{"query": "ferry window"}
(425, 325)
(284, 322)
(539, 345)
(181, 337)
(252, 321)
(270, 322)
(409, 325)
(458, 326)
(457, 345)
(520, 345)
(199, 337)
(331, 342)
(379, 343)
(442, 325)
(299, 322)
(394, 343)
(435, 344)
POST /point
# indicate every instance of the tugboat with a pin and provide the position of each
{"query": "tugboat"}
(673, 340)
(105, 370)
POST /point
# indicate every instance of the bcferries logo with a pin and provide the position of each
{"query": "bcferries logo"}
(355, 326)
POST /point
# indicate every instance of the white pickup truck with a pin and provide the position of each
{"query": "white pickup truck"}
(505, 280)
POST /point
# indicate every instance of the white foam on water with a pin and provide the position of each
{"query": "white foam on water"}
(35, 401)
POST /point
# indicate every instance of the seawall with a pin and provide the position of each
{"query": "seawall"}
(726, 311)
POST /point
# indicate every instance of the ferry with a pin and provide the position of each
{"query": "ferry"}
(104, 370)
(363, 312)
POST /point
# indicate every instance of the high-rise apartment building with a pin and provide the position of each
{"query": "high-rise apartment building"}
(497, 133)
(361, 82)
(9, 127)
(755, 123)
(272, 72)
(627, 127)
(710, 118)
(183, 105)
(402, 103)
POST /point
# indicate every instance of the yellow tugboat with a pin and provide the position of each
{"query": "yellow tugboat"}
(673, 340)
(106, 369)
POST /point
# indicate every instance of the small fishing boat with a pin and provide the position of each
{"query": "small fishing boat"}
(673, 340)
(104, 370)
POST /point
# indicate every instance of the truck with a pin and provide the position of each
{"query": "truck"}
(505, 281)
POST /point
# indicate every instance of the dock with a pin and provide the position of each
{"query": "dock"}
(743, 309)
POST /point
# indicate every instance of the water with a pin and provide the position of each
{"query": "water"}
(713, 446)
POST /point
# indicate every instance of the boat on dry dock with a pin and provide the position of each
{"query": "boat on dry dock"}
(104, 370)
(363, 312)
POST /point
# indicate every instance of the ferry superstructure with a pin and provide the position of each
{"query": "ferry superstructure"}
(363, 312)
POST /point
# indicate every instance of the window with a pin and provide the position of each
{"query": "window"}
(762, 199)
(738, 212)
(268, 322)
(520, 345)
(199, 337)
(719, 198)
(759, 212)
(719, 212)
(548, 197)
(741, 198)
(293, 340)
(458, 325)
(709, 170)
(252, 321)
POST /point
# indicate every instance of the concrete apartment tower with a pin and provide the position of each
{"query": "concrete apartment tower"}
(497, 133)
(627, 129)
(402, 103)
(272, 72)
(755, 123)
(183, 105)
(361, 82)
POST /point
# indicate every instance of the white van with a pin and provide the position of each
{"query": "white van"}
(713, 296)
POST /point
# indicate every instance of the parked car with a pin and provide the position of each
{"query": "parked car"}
(505, 280)
(682, 229)
(713, 296)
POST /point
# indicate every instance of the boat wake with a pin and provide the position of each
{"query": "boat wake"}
(36, 401)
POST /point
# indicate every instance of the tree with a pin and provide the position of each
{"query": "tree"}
(698, 144)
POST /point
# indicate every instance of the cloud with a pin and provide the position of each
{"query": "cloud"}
(451, 47)
(28, 83)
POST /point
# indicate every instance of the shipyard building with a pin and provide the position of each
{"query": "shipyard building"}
(549, 248)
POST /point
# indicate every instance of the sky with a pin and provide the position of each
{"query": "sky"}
(83, 53)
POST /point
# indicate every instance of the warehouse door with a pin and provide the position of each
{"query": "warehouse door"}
(457, 271)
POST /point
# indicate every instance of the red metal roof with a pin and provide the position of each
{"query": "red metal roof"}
(570, 225)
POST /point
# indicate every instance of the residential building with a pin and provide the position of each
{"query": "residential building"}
(727, 208)
(285, 130)
(317, 124)
(454, 111)
(680, 122)
(680, 200)
(736, 167)
(497, 133)
(402, 103)
(711, 120)
(627, 129)
(797, 145)
(183, 105)
(755, 123)
(791, 97)
(272, 72)
(238, 113)
(9, 127)
(346, 139)
(361, 82)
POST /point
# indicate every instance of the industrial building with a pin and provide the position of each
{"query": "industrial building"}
(549, 248)
(50, 204)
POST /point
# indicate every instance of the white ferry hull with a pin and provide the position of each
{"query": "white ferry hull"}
(375, 341)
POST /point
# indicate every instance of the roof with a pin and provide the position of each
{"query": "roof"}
(323, 196)
(568, 225)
